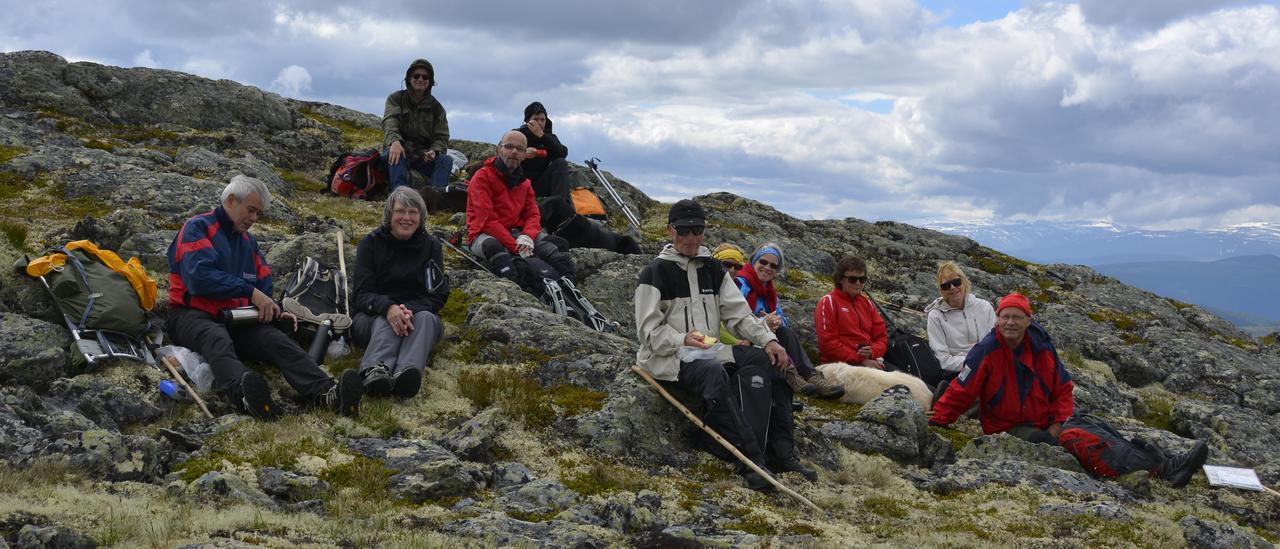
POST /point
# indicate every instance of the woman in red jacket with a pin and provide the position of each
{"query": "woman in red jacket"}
(849, 328)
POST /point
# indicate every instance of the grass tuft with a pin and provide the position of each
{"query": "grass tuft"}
(8, 153)
(354, 137)
(15, 233)
(600, 478)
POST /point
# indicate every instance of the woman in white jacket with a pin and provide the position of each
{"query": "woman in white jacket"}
(957, 320)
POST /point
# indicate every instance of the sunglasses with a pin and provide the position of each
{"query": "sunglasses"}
(685, 231)
(421, 77)
(953, 283)
(731, 265)
(856, 279)
(766, 263)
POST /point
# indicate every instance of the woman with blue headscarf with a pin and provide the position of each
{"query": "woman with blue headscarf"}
(755, 280)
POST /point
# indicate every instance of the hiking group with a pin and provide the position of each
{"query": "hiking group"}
(710, 325)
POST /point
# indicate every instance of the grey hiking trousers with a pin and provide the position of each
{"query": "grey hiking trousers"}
(401, 353)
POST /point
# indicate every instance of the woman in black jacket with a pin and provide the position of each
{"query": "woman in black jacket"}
(544, 163)
(400, 287)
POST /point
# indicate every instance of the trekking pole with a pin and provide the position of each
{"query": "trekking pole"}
(716, 436)
(594, 164)
(168, 362)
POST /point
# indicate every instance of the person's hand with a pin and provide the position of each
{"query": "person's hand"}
(1055, 430)
(524, 245)
(873, 363)
(773, 321)
(429, 155)
(536, 126)
(267, 308)
(928, 413)
(864, 351)
(777, 355)
(400, 319)
(394, 154)
(530, 152)
(694, 339)
(744, 342)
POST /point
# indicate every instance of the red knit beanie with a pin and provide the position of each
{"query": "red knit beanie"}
(1016, 300)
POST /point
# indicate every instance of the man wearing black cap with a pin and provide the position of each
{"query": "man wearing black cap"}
(684, 294)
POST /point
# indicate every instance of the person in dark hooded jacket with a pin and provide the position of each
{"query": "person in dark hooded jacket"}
(400, 287)
(544, 163)
(415, 130)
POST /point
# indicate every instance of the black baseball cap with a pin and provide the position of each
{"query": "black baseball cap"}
(687, 213)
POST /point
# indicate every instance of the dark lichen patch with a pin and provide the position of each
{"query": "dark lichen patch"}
(533, 516)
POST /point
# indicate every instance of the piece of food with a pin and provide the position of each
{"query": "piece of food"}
(708, 340)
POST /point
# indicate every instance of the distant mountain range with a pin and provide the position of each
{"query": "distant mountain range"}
(1104, 243)
(1233, 272)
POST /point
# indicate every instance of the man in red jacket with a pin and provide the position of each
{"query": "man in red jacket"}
(850, 329)
(1014, 372)
(502, 214)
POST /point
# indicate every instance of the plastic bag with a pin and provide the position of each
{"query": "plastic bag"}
(690, 354)
(193, 366)
(338, 348)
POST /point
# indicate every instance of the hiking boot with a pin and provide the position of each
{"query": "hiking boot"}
(377, 380)
(793, 464)
(255, 397)
(799, 384)
(407, 383)
(1179, 470)
(757, 482)
(344, 396)
(824, 389)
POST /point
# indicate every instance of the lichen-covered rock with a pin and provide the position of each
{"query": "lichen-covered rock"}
(970, 474)
(499, 530)
(32, 352)
(224, 486)
(1109, 510)
(637, 423)
(474, 439)
(892, 425)
(107, 455)
(1006, 446)
(621, 513)
(540, 497)
(1252, 437)
(1209, 534)
(52, 537)
(508, 474)
(110, 405)
(112, 230)
(425, 470)
(289, 486)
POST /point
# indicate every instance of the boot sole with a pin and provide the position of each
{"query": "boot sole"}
(378, 387)
(407, 383)
(350, 389)
(257, 397)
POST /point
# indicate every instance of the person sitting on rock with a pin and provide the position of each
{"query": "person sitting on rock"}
(400, 287)
(1023, 389)
(415, 130)
(956, 321)
(683, 294)
(755, 281)
(849, 327)
(544, 163)
(731, 257)
(215, 265)
(502, 216)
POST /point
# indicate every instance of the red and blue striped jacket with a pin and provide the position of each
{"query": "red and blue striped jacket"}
(1033, 389)
(212, 267)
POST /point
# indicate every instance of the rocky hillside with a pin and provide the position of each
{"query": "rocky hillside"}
(531, 430)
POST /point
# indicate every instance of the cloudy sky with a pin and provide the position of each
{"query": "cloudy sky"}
(1161, 114)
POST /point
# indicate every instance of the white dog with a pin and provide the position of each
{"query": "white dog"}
(861, 384)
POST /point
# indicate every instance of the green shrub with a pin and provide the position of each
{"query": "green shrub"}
(354, 137)
(14, 233)
(601, 478)
(9, 153)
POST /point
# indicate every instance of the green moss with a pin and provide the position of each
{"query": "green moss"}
(94, 143)
(600, 478)
(575, 400)
(1133, 339)
(300, 181)
(259, 444)
(511, 390)
(883, 506)
(466, 348)
(366, 476)
(1038, 297)
(802, 285)
(1270, 339)
(711, 471)
(9, 153)
(831, 409)
(1242, 343)
(15, 233)
(990, 265)
(735, 227)
(1179, 305)
(1119, 320)
(959, 439)
(354, 137)
(998, 263)
(749, 522)
(1154, 408)
(798, 528)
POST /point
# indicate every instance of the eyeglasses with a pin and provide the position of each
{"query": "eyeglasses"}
(731, 265)
(766, 263)
(953, 283)
(696, 230)
(856, 279)
(510, 147)
(421, 77)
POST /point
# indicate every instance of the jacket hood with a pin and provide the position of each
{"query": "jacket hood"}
(420, 64)
(941, 304)
(669, 253)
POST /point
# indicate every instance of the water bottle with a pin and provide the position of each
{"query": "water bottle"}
(321, 342)
(239, 316)
(174, 391)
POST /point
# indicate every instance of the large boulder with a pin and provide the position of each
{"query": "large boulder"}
(32, 352)
(424, 470)
(892, 425)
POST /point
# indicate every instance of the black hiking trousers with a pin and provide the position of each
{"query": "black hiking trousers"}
(222, 346)
(791, 343)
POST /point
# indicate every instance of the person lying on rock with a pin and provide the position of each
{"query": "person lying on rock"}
(544, 161)
(683, 294)
(956, 321)
(849, 327)
(1023, 389)
(503, 221)
(215, 265)
(400, 287)
(756, 282)
(415, 130)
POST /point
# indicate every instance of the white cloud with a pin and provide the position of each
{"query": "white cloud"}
(208, 68)
(293, 81)
(144, 59)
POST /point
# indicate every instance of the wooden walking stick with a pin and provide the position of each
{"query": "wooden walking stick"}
(716, 436)
(168, 362)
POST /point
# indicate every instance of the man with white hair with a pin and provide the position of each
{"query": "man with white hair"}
(215, 266)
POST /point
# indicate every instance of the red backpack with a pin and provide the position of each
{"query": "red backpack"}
(356, 174)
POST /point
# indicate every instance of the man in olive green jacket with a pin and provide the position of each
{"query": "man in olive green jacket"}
(415, 130)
